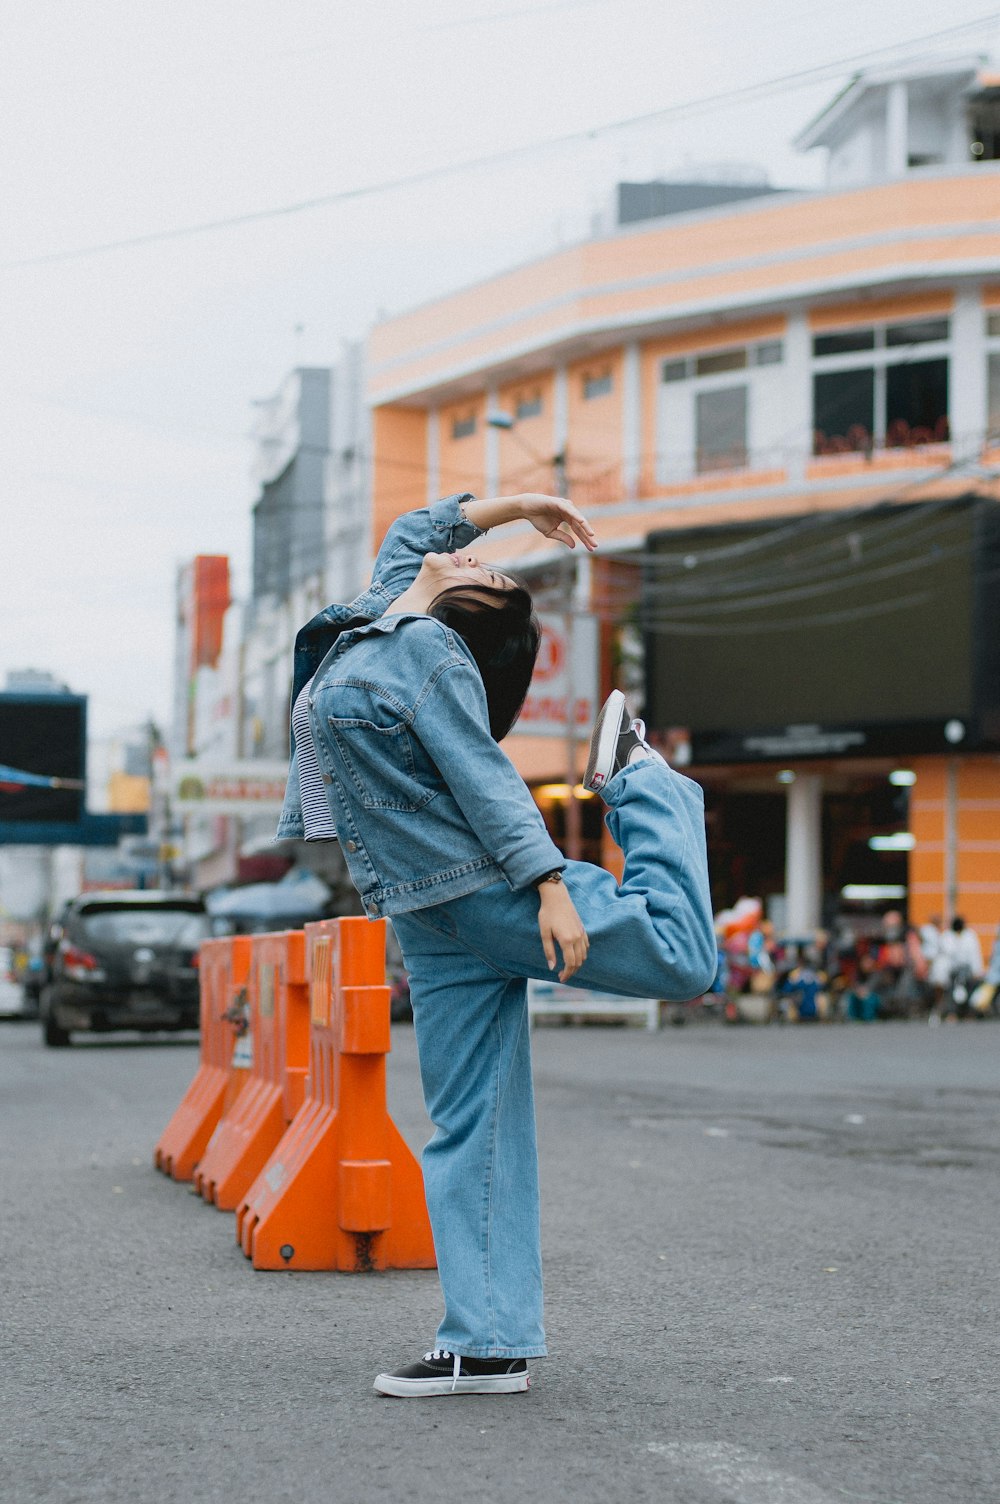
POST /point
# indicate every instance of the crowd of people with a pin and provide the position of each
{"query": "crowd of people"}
(896, 970)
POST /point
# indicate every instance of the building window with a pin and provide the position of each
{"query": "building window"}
(891, 401)
(993, 325)
(721, 429)
(916, 404)
(919, 332)
(721, 360)
(529, 405)
(464, 427)
(840, 344)
(721, 409)
(993, 420)
(598, 386)
(984, 128)
(770, 352)
(844, 411)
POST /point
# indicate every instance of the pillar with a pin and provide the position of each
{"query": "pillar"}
(897, 129)
(804, 855)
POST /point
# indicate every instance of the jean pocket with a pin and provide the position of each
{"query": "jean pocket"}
(380, 762)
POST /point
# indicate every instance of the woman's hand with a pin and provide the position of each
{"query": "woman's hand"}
(560, 924)
(555, 517)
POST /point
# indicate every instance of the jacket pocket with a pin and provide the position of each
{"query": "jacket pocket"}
(380, 762)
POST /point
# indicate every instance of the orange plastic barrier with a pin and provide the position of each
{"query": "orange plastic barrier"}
(223, 969)
(279, 1044)
(342, 1190)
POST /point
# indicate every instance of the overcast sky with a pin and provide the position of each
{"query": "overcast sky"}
(127, 377)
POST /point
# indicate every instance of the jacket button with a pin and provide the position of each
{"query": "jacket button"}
(352, 845)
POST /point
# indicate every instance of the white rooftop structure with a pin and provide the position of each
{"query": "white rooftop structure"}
(887, 122)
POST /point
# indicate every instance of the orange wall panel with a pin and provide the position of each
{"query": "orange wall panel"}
(399, 465)
(977, 849)
(527, 451)
(979, 867)
(462, 461)
(594, 431)
(859, 312)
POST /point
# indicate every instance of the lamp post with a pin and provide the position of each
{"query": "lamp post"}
(573, 833)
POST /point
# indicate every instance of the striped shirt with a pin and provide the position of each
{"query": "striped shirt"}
(315, 806)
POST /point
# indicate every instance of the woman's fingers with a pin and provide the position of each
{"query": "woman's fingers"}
(574, 953)
(572, 946)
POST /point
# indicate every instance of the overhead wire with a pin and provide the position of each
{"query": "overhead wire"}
(683, 110)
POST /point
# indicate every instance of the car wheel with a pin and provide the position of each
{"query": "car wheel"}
(55, 1038)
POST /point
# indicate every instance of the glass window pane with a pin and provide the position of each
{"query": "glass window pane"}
(993, 324)
(461, 428)
(529, 407)
(993, 421)
(916, 404)
(843, 411)
(721, 360)
(770, 353)
(920, 332)
(842, 341)
(721, 429)
(597, 386)
(674, 370)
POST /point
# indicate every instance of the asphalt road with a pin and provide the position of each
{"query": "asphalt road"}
(771, 1262)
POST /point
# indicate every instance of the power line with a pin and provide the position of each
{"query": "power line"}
(748, 92)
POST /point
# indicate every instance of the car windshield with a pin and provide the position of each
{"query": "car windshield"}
(147, 926)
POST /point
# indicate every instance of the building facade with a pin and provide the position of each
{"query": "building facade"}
(782, 415)
(311, 542)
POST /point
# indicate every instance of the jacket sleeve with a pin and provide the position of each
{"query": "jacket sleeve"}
(437, 529)
(452, 723)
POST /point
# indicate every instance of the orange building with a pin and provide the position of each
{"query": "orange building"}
(782, 416)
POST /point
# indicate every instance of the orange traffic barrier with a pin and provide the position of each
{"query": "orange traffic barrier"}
(342, 1190)
(278, 1041)
(223, 969)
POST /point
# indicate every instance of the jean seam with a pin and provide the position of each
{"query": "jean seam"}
(489, 1182)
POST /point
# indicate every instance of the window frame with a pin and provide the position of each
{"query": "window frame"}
(878, 359)
(597, 384)
(464, 427)
(684, 374)
(991, 349)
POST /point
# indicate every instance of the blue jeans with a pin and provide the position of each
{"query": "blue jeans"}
(468, 961)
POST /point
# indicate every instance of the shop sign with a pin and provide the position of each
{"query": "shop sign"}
(236, 788)
(565, 674)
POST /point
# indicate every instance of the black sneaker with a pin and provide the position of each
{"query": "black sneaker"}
(617, 741)
(442, 1372)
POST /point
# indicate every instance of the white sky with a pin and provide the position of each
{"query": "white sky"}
(126, 378)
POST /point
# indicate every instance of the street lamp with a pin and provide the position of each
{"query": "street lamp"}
(497, 418)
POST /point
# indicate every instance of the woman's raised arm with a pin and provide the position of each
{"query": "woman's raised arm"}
(553, 516)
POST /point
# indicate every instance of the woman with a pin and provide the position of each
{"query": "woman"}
(399, 700)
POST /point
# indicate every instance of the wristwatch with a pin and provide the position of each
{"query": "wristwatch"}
(555, 876)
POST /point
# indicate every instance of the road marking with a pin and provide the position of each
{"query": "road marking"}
(739, 1475)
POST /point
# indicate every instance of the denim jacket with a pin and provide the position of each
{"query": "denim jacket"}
(426, 806)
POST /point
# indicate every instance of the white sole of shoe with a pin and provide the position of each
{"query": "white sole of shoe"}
(604, 742)
(405, 1389)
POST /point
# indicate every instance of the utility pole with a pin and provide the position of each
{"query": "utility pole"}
(573, 584)
(571, 588)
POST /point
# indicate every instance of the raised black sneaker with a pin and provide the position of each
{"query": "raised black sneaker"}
(618, 740)
(442, 1372)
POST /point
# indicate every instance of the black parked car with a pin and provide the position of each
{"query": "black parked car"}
(123, 961)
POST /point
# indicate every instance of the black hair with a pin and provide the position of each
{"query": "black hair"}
(501, 631)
